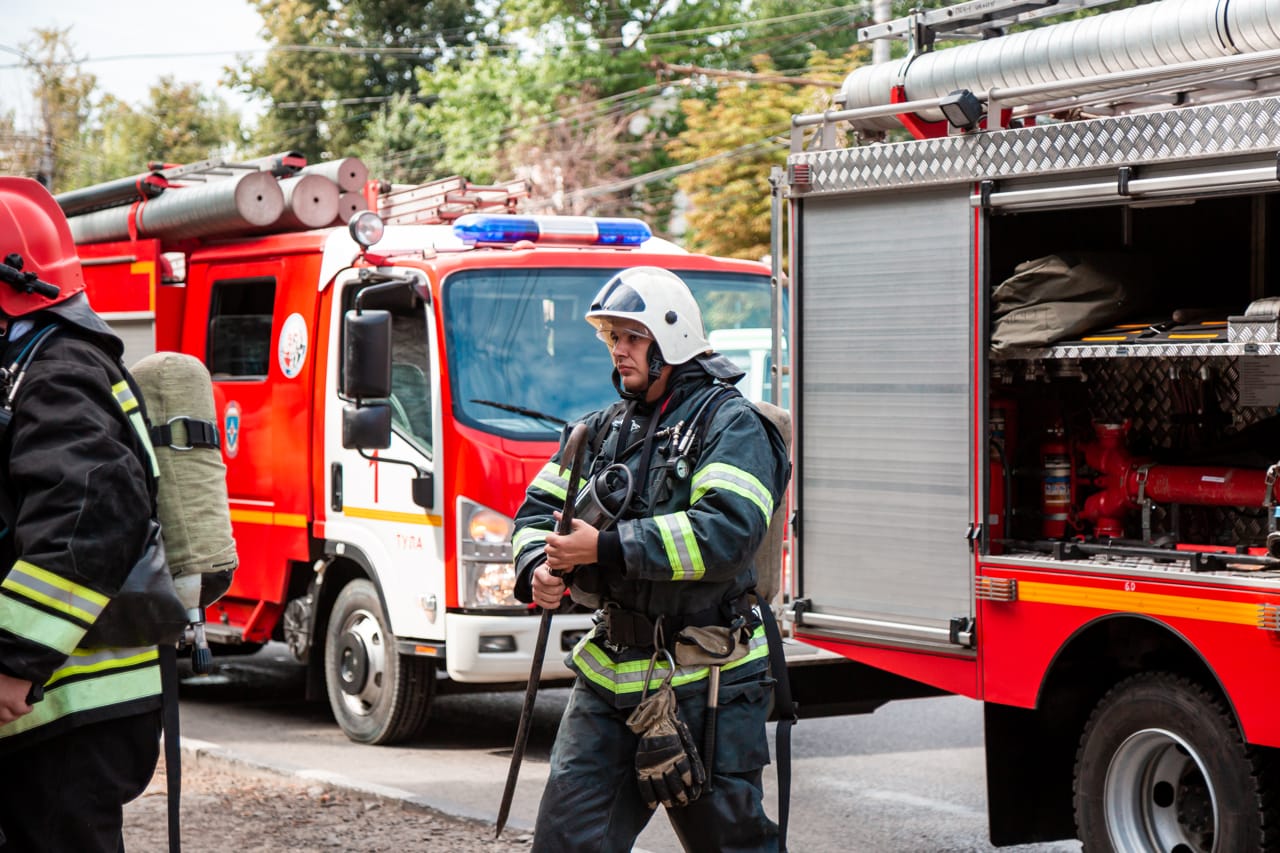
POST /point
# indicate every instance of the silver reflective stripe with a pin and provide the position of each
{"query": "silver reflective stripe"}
(719, 475)
(683, 553)
(526, 537)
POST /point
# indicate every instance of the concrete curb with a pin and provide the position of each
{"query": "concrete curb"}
(200, 750)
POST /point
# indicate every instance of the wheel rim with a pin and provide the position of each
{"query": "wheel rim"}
(1158, 796)
(361, 663)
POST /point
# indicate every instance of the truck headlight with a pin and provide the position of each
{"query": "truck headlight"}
(486, 571)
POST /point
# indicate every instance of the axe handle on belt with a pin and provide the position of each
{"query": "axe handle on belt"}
(574, 451)
(709, 724)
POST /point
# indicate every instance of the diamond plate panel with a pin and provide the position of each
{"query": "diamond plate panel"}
(1202, 131)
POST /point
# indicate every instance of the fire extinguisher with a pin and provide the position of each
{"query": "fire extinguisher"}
(1055, 505)
(1000, 437)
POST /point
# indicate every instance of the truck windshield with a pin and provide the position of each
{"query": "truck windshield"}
(522, 358)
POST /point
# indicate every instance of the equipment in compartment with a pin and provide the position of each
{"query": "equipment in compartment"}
(1147, 451)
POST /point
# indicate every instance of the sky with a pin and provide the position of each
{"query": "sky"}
(130, 44)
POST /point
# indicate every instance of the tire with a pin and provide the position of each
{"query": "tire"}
(377, 695)
(1163, 767)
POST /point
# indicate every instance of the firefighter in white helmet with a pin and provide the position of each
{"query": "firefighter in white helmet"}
(669, 565)
(79, 719)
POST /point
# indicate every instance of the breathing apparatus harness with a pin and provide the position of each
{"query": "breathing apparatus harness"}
(609, 492)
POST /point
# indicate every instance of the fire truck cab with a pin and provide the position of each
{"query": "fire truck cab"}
(1035, 355)
(372, 507)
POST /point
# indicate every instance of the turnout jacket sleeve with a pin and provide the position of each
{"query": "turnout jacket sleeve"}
(83, 502)
(544, 496)
(740, 476)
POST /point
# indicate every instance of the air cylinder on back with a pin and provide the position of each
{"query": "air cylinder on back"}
(195, 517)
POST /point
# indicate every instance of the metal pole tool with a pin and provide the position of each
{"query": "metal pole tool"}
(574, 450)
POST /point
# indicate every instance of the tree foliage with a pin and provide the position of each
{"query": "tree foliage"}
(333, 66)
(61, 94)
(736, 137)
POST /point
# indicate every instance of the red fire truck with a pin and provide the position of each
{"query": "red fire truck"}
(1036, 372)
(389, 570)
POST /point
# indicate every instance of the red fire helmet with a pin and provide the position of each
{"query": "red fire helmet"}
(34, 228)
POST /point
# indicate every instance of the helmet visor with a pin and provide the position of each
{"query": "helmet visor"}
(613, 335)
(617, 297)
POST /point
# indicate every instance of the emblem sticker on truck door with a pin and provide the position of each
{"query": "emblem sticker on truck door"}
(292, 349)
(231, 429)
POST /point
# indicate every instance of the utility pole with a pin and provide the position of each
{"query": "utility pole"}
(881, 13)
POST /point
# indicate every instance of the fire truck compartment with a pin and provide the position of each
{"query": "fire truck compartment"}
(1148, 444)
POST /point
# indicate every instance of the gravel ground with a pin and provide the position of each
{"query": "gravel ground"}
(231, 806)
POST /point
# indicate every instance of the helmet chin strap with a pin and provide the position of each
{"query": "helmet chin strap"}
(656, 363)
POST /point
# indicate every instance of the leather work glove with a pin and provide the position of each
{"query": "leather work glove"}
(668, 768)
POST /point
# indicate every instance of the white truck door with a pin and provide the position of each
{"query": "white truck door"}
(884, 361)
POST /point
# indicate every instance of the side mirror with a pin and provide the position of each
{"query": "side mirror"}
(366, 427)
(424, 490)
(366, 355)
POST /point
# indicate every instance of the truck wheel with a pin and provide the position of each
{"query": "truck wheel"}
(377, 695)
(1162, 767)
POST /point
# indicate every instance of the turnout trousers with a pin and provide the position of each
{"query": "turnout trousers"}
(592, 804)
(66, 794)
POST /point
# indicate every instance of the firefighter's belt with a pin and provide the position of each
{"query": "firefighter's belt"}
(633, 629)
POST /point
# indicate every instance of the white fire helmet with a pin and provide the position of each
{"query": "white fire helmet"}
(661, 302)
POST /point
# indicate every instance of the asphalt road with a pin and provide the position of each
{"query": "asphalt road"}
(906, 779)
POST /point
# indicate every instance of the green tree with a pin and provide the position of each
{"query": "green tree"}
(734, 139)
(333, 66)
(62, 97)
(180, 123)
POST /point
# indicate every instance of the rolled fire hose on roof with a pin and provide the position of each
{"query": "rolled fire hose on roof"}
(310, 201)
(195, 516)
(247, 201)
(1148, 36)
(349, 173)
(349, 204)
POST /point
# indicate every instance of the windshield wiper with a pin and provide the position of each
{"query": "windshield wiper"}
(521, 410)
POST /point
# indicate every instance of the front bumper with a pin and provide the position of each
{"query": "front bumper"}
(465, 662)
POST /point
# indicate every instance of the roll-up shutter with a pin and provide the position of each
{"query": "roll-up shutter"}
(885, 361)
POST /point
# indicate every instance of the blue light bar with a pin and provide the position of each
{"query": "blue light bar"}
(505, 229)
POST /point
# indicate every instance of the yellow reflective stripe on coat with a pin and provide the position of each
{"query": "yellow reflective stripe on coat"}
(629, 676)
(552, 480)
(527, 536)
(54, 591)
(129, 404)
(108, 688)
(85, 661)
(29, 593)
(730, 478)
(683, 553)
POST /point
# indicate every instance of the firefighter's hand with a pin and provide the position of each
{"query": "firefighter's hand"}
(13, 698)
(548, 590)
(575, 548)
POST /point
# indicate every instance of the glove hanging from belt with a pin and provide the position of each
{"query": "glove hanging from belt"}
(668, 768)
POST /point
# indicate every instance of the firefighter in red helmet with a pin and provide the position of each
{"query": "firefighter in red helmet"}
(79, 719)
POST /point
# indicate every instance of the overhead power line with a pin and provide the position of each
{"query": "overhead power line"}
(659, 65)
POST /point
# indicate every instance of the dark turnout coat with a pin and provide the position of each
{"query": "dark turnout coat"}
(77, 468)
(686, 544)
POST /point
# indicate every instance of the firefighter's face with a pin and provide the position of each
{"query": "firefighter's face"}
(629, 344)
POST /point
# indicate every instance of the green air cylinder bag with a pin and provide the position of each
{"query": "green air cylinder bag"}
(769, 555)
(195, 516)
